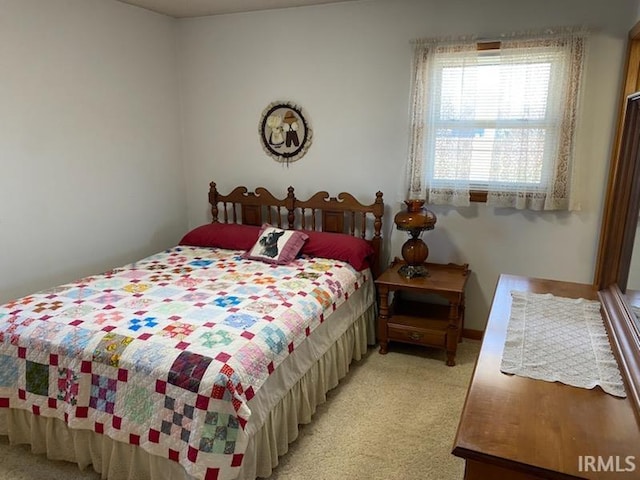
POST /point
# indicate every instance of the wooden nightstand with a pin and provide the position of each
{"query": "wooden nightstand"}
(423, 323)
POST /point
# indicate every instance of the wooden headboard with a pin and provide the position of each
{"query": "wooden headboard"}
(321, 212)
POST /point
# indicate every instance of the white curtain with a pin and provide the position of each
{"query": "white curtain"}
(483, 120)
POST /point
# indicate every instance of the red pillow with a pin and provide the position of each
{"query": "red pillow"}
(339, 246)
(231, 236)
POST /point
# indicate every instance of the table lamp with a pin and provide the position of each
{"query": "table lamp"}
(415, 220)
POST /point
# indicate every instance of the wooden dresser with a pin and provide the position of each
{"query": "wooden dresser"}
(518, 428)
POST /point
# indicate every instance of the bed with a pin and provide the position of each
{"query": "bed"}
(201, 361)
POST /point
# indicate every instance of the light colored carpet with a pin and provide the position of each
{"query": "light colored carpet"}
(394, 417)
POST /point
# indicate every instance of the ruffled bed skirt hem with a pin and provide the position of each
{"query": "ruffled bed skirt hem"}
(119, 461)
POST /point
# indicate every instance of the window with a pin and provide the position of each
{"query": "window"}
(496, 118)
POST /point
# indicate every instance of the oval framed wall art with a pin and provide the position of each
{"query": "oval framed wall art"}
(284, 132)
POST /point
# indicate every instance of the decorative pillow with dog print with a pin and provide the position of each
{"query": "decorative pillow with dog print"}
(275, 245)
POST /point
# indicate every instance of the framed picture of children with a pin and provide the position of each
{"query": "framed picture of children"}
(284, 132)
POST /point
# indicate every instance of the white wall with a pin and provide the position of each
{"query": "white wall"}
(90, 143)
(348, 65)
(89, 140)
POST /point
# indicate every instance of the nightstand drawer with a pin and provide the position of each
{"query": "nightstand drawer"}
(403, 333)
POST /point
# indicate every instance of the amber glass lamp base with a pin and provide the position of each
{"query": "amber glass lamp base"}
(414, 253)
(414, 220)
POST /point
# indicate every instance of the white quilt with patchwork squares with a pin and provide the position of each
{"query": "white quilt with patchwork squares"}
(165, 353)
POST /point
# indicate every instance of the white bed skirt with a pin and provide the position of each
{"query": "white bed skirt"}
(119, 461)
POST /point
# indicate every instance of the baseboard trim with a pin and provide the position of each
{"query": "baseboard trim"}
(472, 334)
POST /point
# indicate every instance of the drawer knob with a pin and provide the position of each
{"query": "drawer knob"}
(415, 336)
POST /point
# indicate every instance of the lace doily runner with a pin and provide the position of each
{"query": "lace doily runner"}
(560, 339)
